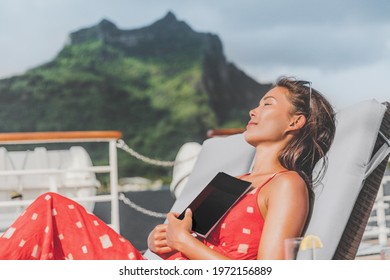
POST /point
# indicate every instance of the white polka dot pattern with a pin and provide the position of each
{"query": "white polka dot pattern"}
(105, 241)
(243, 248)
(22, 242)
(34, 253)
(67, 231)
(55, 227)
(8, 234)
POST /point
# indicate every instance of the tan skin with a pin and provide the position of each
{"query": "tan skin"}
(283, 202)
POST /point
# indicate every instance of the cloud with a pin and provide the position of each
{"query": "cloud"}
(330, 42)
(322, 46)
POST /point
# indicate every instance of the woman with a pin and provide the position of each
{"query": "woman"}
(292, 128)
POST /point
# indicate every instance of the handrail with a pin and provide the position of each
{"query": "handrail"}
(110, 136)
(378, 216)
(54, 136)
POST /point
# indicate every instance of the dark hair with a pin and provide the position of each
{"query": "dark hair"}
(312, 142)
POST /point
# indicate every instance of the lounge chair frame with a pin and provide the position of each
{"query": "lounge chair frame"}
(354, 230)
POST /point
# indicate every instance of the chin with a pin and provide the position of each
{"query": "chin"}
(247, 138)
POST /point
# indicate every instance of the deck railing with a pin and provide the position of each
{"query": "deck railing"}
(109, 137)
(379, 221)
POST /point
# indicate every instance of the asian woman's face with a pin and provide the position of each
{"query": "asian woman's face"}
(271, 119)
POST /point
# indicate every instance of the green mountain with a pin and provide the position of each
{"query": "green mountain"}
(161, 85)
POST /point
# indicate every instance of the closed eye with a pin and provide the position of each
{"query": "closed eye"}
(269, 100)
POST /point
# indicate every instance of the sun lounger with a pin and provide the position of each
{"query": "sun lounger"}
(357, 161)
(344, 199)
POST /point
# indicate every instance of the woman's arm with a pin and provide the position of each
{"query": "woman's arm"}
(287, 206)
(179, 237)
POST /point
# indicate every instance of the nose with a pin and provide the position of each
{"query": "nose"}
(252, 112)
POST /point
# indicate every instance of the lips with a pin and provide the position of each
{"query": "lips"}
(251, 123)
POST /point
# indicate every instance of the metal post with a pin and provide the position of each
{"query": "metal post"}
(381, 217)
(114, 186)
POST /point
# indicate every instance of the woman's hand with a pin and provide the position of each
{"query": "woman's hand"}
(157, 241)
(178, 232)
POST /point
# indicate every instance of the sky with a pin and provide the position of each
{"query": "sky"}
(343, 47)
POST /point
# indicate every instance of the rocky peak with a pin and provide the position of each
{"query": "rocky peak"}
(225, 84)
(169, 23)
(106, 31)
(106, 25)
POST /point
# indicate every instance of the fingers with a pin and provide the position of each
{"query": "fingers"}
(163, 250)
(161, 243)
(160, 229)
(158, 233)
(159, 246)
(188, 213)
(157, 241)
(176, 225)
(172, 215)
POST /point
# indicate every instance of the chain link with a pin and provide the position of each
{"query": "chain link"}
(122, 145)
(138, 208)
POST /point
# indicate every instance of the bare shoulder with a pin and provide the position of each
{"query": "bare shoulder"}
(286, 194)
(290, 184)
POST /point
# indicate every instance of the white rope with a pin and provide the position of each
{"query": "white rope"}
(140, 209)
(122, 145)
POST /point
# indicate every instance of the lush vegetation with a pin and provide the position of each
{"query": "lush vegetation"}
(156, 102)
(162, 86)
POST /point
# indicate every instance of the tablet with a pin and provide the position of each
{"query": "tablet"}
(214, 201)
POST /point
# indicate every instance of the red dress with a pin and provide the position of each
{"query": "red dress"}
(55, 227)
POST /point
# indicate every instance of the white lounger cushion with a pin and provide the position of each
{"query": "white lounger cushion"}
(349, 157)
(232, 155)
(356, 133)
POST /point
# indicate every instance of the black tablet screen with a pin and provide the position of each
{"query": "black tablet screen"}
(214, 201)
